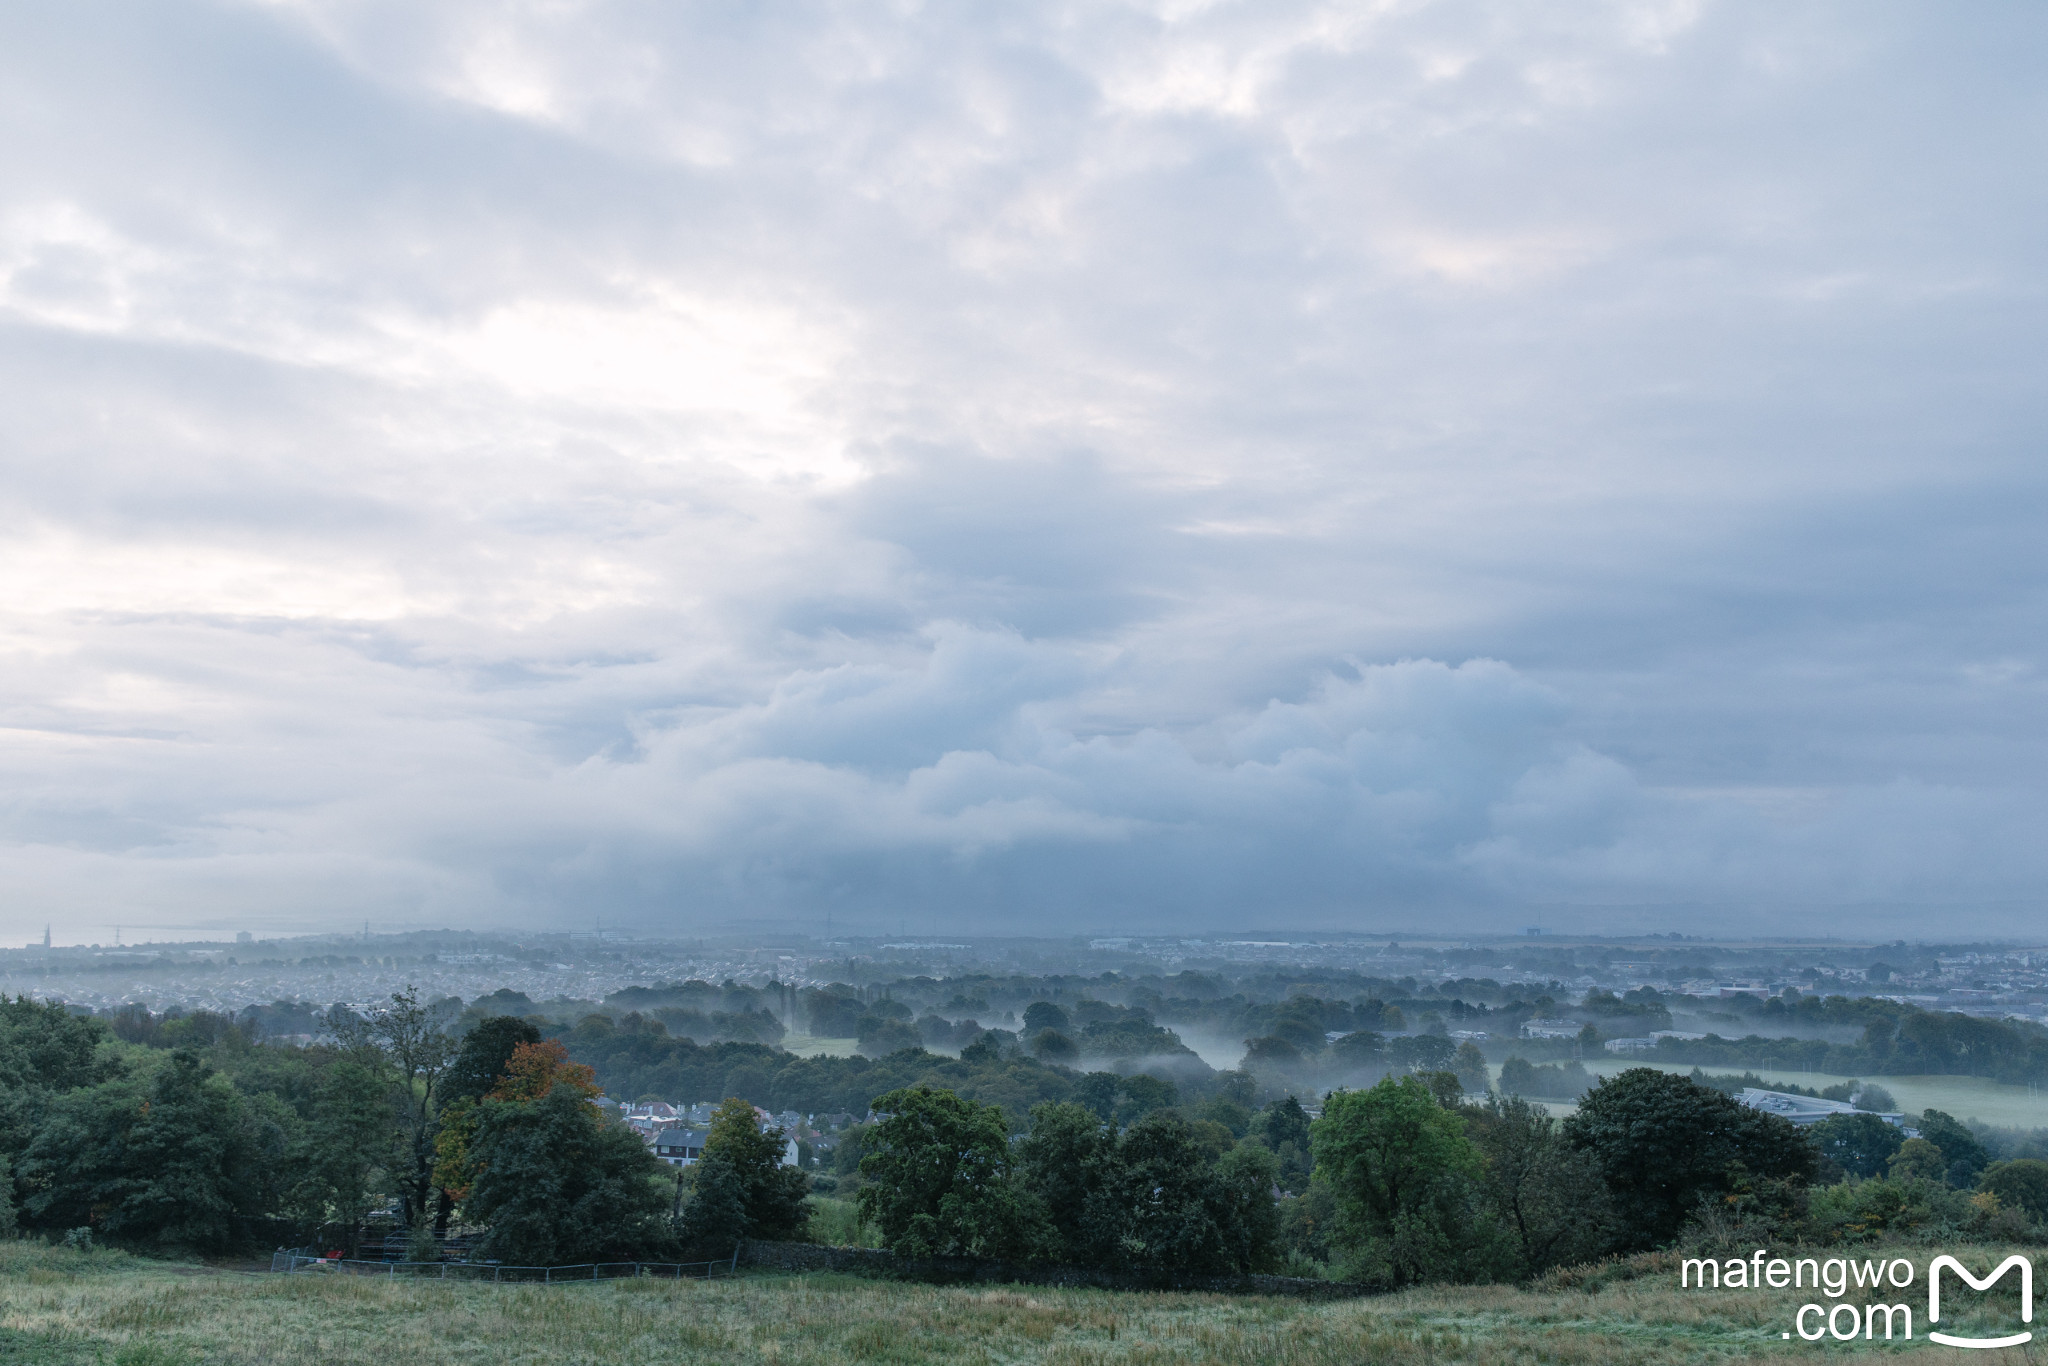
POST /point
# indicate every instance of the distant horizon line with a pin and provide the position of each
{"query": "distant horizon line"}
(730, 936)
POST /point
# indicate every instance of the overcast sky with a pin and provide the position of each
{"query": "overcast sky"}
(1023, 468)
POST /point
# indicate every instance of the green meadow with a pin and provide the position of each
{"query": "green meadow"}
(59, 1308)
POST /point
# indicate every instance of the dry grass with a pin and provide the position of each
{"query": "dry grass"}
(60, 1307)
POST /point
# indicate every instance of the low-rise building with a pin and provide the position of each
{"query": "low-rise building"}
(1806, 1110)
(679, 1147)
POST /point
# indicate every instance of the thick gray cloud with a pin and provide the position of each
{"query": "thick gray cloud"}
(1046, 467)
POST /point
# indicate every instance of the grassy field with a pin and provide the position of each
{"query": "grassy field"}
(805, 1046)
(58, 1308)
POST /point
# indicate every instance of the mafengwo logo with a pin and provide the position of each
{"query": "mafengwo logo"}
(1836, 1277)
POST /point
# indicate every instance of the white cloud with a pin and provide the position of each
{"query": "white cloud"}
(1212, 460)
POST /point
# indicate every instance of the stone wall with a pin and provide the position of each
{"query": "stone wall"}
(867, 1261)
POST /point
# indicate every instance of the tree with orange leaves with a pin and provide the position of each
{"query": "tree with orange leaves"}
(537, 1068)
(551, 1176)
(533, 1071)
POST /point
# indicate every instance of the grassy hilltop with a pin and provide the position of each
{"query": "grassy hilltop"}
(58, 1308)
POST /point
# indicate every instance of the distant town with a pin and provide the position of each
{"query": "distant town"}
(1988, 981)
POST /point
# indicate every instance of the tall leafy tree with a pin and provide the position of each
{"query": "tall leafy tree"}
(335, 1153)
(1242, 1184)
(557, 1182)
(1546, 1195)
(1171, 1213)
(1663, 1142)
(937, 1177)
(1965, 1155)
(1861, 1145)
(1159, 1196)
(533, 1070)
(1470, 1065)
(1069, 1168)
(743, 1190)
(408, 1040)
(485, 1053)
(1400, 1168)
(1283, 1128)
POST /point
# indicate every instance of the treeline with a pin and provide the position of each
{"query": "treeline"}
(1411, 1181)
(1898, 1040)
(637, 1057)
(214, 1142)
(190, 1133)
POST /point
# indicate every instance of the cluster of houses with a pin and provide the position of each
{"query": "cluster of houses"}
(677, 1133)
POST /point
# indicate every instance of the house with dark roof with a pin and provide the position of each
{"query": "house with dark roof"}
(679, 1147)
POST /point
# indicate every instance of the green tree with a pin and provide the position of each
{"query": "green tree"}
(1243, 1181)
(1045, 1015)
(771, 1195)
(877, 1036)
(485, 1053)
(1547, 1196)
(1861, 1145)
(1359, 1049)
(1470, 1065)
(42, 1044)
(1964, 1154)
(45, 1051)
(1400, 1169)
(406, 1039)
(936, 1177)
(335, 1153)
(1166, 1195)
(557, 1182)
(1051, 1046)
(1283, 1129)
(178, 1162)
(1068, 1167)
(850, 1149)
(1171, 1206)
(2019, 1184)
(1235, 1117)
(1271, 1054)
(1663, 1142)
(1139, 1094)
(1421, 1052)
(715, 1221)
(1917, 1157)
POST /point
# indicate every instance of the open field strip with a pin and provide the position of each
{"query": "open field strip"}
(59, 1308)
(805, 1046)
(1964, 1097)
